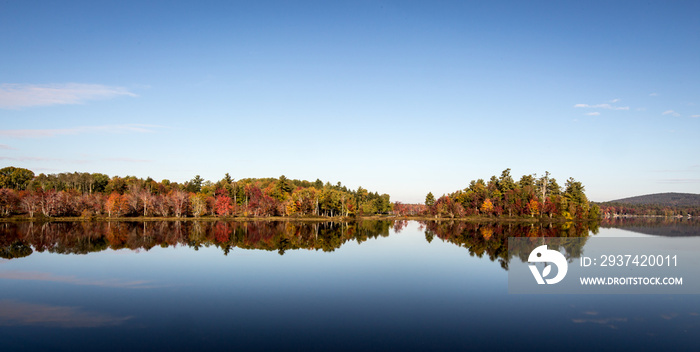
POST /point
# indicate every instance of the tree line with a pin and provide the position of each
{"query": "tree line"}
(615, 209)
(503, 196)
(96, 194)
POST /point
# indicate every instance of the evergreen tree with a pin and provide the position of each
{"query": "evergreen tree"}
(430, 199)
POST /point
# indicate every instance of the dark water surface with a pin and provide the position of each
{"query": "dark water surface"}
(283, 286)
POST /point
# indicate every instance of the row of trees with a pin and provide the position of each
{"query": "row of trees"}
(95, 194)
(85, 194)
(529, 196)
(611, 209)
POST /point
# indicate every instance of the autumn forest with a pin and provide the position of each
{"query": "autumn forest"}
(94, 195)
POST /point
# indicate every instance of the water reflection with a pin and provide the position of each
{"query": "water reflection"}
(490, 240)
(48, 277)
(21, 239)
(409, 286)
(15, 313)
(657, 226)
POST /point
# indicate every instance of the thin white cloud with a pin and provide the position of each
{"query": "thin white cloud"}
(614, 101)
(679, 180)
(595, 113)
(653, 94)
(602, 106)
(670, 112)
(695, 116)
(15, 96)
(42, 159)
(42, 133)
(72, 161)
(26, 158)
(129, 160)
(6, 147)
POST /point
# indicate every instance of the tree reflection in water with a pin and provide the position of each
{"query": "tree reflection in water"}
(18, 239)
(491, 239)
(22, 239)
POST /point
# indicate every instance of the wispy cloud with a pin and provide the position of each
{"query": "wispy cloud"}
(602, 106)
(41, 133)
(614, 101)
(595, 113)
(679, 180)
(71, 161)
(6, 147)
(43, 160)
(670, 112)
(691, 168)
(696, 116)
(14, 313)
(27, 158)
(653, 94)
(15, 96)
(129, 160)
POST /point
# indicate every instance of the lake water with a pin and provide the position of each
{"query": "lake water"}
(281, 286)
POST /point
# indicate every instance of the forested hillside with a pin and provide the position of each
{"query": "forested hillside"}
(668, 199)
(659, 204)
(95, 194)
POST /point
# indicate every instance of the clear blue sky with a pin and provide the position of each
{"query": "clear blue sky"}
(398, 97)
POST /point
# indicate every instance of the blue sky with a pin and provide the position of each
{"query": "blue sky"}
(398, 97)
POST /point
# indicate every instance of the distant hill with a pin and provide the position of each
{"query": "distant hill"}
(663, 199)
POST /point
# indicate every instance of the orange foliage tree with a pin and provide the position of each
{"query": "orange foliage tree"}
(487, 206)
(534, 207)
(116, 205)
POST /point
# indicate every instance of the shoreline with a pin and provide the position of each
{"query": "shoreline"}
(471, 219)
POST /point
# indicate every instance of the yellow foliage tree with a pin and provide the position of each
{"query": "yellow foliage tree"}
(487, 206)
(534, 207)
(291, 207)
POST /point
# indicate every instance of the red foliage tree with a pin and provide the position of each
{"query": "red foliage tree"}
(9, 201)
(223, 205)
(29, 202)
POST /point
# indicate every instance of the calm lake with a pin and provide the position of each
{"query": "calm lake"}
(302, 286)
